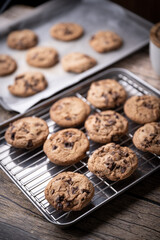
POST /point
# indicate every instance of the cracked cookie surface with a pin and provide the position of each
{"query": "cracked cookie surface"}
(106, 126)
(28, 133)
(77, 62)
(66, 31)
(107, 93)
(28, 84)
(147, 138)
(66, 146)
(69, 191)
(22, 39)
(42, 57)
(105, 41)
(7, 65)
(113, 162)
(69, 111)
(142, 109)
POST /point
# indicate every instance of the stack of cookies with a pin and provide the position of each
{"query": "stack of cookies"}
(73, 191)
(30, 83)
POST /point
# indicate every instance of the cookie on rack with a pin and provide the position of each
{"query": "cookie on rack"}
(106, 94)
(28, 133)
(69, 111)
(113, 162)
(69, 191)
(28, 84)
(7, 65)
(66, 147)
(77, 62)
(66, 31)
(143, 109)
(42, 57)
(147, 138)
(105, 41)
(22, 39)
(106, 126)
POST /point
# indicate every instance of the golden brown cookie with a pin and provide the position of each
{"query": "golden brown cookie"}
(69, 112)
(106, 94)
(147, 138)
(28, 132)
(7, 65)
(105, 41)
(66, 31)
(66, 146)
(42, 57)
(77, 62)
(27, 84)
(113, 162)
(106, 126)
(142, 109)
(69, 191)
(22, 39)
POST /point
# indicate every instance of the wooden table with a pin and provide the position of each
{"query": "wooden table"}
(133, 215)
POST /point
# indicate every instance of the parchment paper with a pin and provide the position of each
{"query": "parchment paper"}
(93, 16)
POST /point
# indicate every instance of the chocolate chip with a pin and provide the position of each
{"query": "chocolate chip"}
(125, 154)
(67, 118)
(52, 191)
(68, 145)
(115, 96)
(157, 142)
(54, 147)
(59, 199)
(111, 166)
(13, 135)
(110, 123)
(123, 169)
(30, 144)
(68, 134)
(69, 181)
(74, 190)
(67, 32)
(148, 105)
(68, 203)
(59, 206)
(85, 191)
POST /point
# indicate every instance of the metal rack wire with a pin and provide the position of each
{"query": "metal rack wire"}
(31, 170)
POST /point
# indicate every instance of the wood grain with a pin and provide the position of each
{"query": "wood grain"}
(133, 215)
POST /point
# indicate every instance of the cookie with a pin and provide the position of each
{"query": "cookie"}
(147, 138)
(66, 146)
(28, 133)
(66, 31)
(22, 39)
(105, 41)
(69, 112)
(28, 84)
(69, 191)
(113, 162)
(77, 62)
(106, 94)
(143, 109)
(106, 126)
(42, 57)
(7, 65)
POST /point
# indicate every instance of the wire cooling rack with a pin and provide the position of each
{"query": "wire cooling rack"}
(31, 170)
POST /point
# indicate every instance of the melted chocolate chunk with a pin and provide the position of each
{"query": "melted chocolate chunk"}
(68, 134)
(69, 145)
(13, 135)
(59, 206)
(123, 169)
(54, 147)
(60, 199)
(110, 123)
(30, 144)
(69, 181)
(52, 192)
(157, 142)
(148, 105)
(74, 190)
(125, 154)
(111, 166)
(85, 191)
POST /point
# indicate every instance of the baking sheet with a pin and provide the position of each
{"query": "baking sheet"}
(93, 16)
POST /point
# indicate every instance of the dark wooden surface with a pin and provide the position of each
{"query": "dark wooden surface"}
(133, 215)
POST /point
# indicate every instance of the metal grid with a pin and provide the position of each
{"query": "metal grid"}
(31, 170)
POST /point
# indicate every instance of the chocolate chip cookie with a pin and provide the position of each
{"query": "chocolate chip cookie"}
(143, 109)
(106, 126)
(69, 112)
(113, 162)
(66, 146)
(29, 132)
(27, 84)
(7, 65)
(77, 62)
(66, 31)
(22, 39)
(42, 57)
(69, 191)
(106, 94)
(105, 41)
(147, 138)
